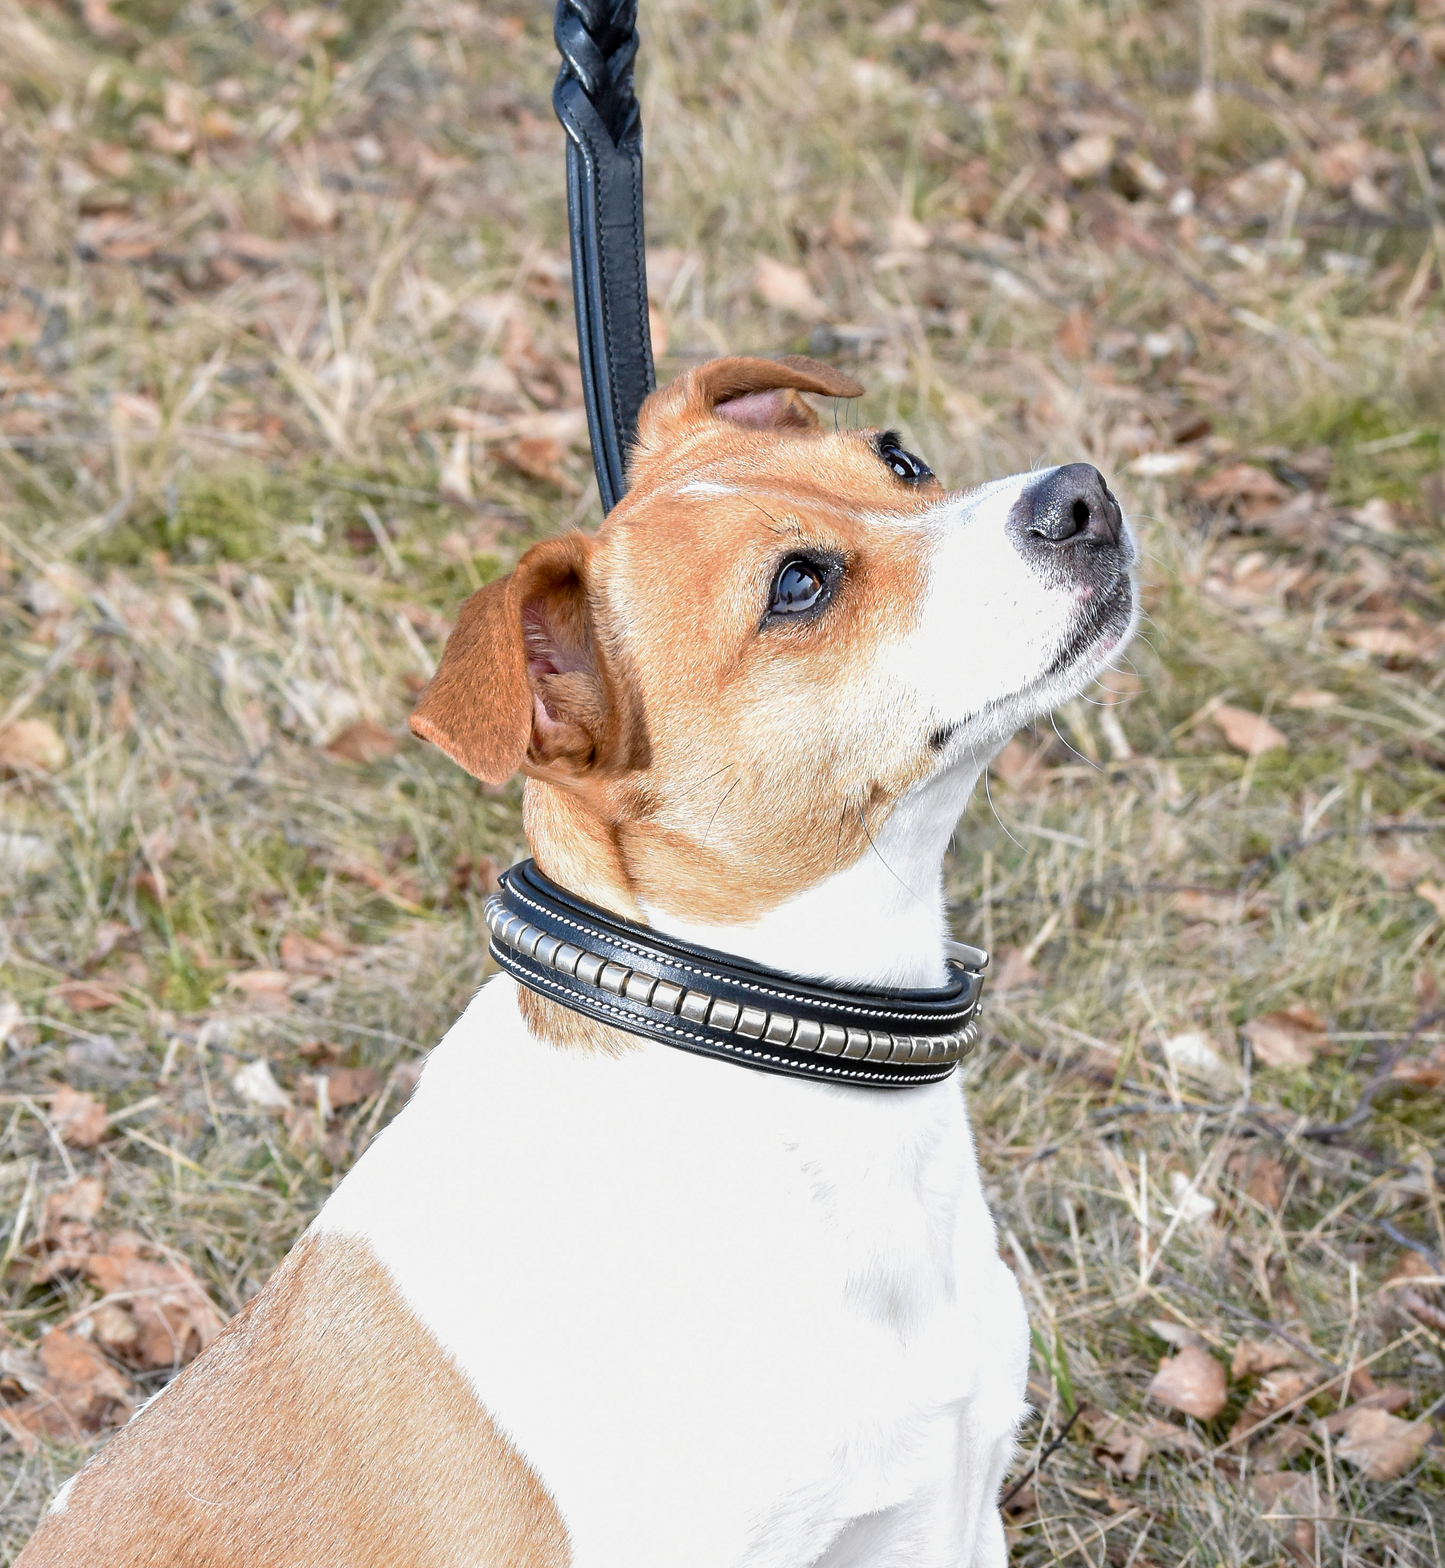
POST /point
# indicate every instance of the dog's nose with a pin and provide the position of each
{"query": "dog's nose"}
(1072, 505)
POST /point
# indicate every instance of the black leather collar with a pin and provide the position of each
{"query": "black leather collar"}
(695, 999)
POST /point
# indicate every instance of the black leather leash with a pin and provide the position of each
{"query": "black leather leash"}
(695, 999)
(598, 109)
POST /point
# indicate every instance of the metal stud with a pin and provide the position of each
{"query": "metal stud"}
(858, 1044)
(751, 1022)
(639, 988)
(589, 967)
(546, 950)
(780, 1029)
(564, 960)
(880, 1046)
(835, 1037)
(527, 939)
(694, 1007)
(808, 1035)
(666, 997)
(613, 978)
(724, 1015)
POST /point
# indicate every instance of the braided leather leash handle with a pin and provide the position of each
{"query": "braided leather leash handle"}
(598, 109)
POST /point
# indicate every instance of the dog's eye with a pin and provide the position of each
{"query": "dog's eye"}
(800, 585)
(909, 467)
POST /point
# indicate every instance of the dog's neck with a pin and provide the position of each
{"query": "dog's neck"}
(882, 921)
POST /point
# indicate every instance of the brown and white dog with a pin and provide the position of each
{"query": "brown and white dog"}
(590, 1300)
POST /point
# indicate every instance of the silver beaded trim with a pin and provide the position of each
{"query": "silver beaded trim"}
(699, 1007)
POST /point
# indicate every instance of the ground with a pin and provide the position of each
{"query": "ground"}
(286, 370)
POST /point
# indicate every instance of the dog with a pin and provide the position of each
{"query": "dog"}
(593, 1301)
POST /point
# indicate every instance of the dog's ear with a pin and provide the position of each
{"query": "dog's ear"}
(522, 681)
(759, 394)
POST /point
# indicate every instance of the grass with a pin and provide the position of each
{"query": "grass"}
(283, 299)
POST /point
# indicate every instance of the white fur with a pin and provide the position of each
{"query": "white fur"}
(59, 1502)
(731, 1320)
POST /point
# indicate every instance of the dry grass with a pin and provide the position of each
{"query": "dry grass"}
(286, 370)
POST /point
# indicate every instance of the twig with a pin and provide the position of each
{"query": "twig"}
(1042, 1460)
(1325, 1131)
(1282, 852)
(1402, 1240)
(1265, 1323)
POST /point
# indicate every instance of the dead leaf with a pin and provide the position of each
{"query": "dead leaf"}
(1192, 1382)
(1288, 1038)
(1196, 1056)
(1427, 1074)
(1088, 157)
(1273, 1392)
(1311, 700)
(172, 1319)
(536, 457)
(788, 288)
(79, 1118)
(256, 1085)
(1381, 1445)
(86, 996)
(1246, 732)
(1402, 864)
(31, 746)
(1017, 763)
(363, 742)
(1242, 483)
(1119, 1447)
(351, 1085)
(1220, 909)
(1434, 895)
(307, 954)
(1015, 971)
(265, 987)
(1261, 1178)
(1255, 1358)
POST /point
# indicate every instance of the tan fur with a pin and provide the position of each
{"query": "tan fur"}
(323, 1429)
(741, 749)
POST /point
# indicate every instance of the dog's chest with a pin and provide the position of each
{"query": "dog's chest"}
(716, 1312)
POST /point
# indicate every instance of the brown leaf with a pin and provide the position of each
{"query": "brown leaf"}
(1015, 972)
(266, 987)
(1381, 1445)
(351, 1085)
(1434, 895)
(1264, 1180)
(77, 1204)
(1427, 1074)
(538, 457)
(1119, 1447)
(1088, 157)
(1017, 763)
(79, 1118)
(1247, 732)
(1191, 1382)
(31, 746)
(1273, 1392)
(86, 996)
(1402, 864)
(1288, 1038)
(175, 1319)
(1242, 483)
(1254, 1358)
(306, 954)
(363, 741)
(788, 288)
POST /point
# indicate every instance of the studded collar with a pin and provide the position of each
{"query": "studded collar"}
(716, 1005)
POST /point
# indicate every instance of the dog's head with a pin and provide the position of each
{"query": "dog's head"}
(779, 634)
